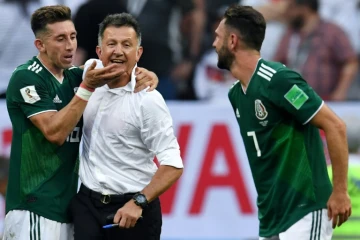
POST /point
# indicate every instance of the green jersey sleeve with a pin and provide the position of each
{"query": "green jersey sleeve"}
(27, 90)
(289, 91)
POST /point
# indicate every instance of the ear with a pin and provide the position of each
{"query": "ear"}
(233, 41)
(98, 51)
(139, 53)
(39, 44)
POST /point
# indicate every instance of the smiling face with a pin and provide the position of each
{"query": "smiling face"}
(120, 45)
(57, 45)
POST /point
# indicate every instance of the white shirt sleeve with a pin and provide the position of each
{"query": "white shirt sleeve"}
(157, 130)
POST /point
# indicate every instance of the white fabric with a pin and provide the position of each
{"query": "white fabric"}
(210, 82)
(308, 228)
(123, 131)
(25, 225)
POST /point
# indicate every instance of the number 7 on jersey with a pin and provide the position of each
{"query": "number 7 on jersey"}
(253, 135)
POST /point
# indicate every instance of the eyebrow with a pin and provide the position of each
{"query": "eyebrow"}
(64, 35)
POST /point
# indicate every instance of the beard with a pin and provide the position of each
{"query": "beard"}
(225, 58)
(297, 23)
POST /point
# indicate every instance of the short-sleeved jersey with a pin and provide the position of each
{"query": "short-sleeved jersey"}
(285, 152)
(43, 176)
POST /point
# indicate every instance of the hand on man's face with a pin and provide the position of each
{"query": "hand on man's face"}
(98, 77)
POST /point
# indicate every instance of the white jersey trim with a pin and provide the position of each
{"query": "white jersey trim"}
(51, 110)
(322, 104)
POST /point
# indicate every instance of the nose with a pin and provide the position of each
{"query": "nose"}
(118, 50)
(69, 45)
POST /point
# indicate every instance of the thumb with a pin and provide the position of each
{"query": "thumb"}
(138, 70)
(92, 66)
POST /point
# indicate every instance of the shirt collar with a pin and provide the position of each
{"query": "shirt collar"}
(130, 87)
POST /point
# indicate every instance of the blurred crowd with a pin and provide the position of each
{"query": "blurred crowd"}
(318, 38)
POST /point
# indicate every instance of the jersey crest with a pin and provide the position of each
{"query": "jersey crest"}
(260, 110)
(29, 94)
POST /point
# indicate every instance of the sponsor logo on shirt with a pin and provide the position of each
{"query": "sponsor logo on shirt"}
(296, 97)
(29, 94)
(57, 99)
(260, 110)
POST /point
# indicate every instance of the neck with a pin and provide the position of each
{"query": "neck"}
(57, 72)
(244, 66)
(122, 81)
(310, 24)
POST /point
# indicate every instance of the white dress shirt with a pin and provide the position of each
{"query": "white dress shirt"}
(122, 133)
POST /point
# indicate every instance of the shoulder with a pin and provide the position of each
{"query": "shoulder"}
(150, 101)
(25, 74)
(74, 71)
(277, 73)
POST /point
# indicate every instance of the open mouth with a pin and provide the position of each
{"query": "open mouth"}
(117, 61)
(69, 57)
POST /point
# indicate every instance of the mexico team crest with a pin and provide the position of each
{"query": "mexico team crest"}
(260, 110)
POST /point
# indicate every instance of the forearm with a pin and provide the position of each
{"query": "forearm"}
(347, 76)
(338, 150)
(164, 177)
(62, 123)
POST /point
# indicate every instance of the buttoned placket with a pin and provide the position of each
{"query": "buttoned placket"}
(101, 178)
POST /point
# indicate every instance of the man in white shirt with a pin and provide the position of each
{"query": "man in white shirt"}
(122, 134)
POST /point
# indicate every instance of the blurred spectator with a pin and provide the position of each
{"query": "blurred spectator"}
(319, 50)
(350, 229)
(272, 11)
(87, 21)
(212, 11)
(210, 82)
(171, 36)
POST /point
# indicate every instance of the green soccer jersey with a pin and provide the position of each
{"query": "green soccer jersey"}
(285, 152)
(42, 176)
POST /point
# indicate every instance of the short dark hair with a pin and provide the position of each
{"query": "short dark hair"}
(119, 20)
(249, 23)
(48, 15)
(312, 4)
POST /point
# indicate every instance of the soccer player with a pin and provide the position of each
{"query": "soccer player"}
(279, 116)
(45, 116)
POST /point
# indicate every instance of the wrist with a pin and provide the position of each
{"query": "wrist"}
(140, 200)
(84, 92)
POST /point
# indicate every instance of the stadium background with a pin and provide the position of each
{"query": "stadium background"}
(215, 198)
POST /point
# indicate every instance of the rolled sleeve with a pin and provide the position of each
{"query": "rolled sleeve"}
(157, 130)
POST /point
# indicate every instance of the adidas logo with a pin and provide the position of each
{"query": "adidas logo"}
(35, 67)
(57, 99)
(237, 113)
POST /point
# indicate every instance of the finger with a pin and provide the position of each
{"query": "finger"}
(122, 223)
(334, 221)
(329, 213)
(138, 70)
(117, 216)
(341, 220)
(133, 223)
(128, 223)
(153, 85)
(112, 75)
(142, 86)
(349, 212)
(141, 76)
